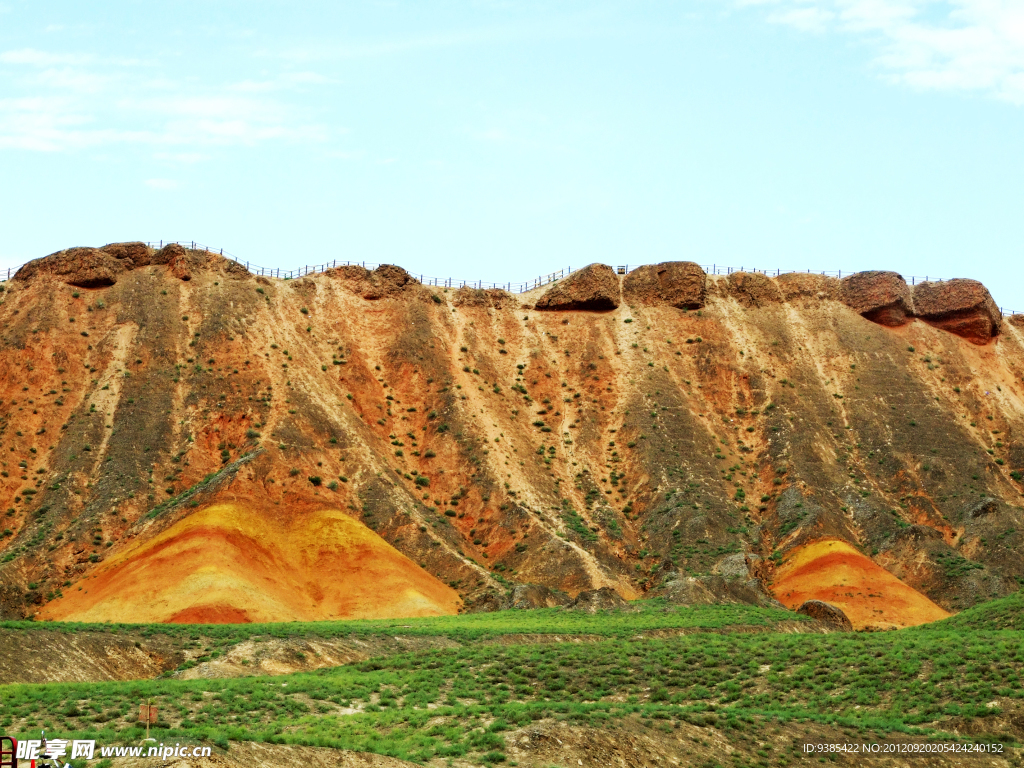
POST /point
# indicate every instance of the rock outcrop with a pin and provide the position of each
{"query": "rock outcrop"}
(385, 282)
(881, 297)
(101, 267)
(594, 600)
(493, 298)
(185, 263)
(80, 267)
(177, 258)
(713, 589)
(808, 287)
(527, 596)
(680, 284)
(963, 307)
(139, 254)
(982, 507)
(595, 287)
(752, 289)
(827, 614)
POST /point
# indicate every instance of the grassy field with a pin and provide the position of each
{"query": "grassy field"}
(1002, 613)
(641, 616)
(460, 702)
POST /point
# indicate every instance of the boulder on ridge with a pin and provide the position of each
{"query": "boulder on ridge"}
(680, 284)
(963, 307)
(595, 287)
(881, 297)
(808, 286)
(752, 289)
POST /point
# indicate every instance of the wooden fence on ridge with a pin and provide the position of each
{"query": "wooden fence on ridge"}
(448, 282)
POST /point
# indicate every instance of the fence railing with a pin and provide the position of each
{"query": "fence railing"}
(440, 282)
(715, 269)
(448, 282)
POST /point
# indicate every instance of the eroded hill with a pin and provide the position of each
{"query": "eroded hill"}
(667, 431)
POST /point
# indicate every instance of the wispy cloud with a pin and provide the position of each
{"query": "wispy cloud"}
(362, 49)
(964, 45)
(32, 57)
(72, 101)
(287, 81)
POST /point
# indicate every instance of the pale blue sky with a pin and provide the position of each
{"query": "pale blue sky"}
(492, 140)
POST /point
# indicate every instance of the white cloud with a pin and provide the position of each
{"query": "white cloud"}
(161, 183)
(283, 82)
(804, 19)
(964, 45)
(76, 101)
(32, 57)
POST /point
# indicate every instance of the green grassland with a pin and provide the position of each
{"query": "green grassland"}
(641, 616)
(1001, 613)
(460, 702)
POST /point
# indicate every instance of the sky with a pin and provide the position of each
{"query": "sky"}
(498, 141)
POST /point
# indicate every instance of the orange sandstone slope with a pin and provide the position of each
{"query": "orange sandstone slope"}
(232, 563)
(836, 573)
(601, 431)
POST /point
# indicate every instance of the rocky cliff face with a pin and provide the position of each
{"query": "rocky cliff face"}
(628, 433)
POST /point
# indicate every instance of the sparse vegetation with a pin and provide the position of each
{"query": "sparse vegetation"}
(460, 702)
